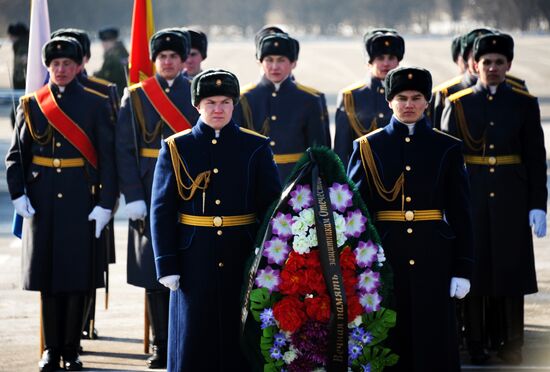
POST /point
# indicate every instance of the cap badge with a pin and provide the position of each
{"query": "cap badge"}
(167, 38)
(218, 82)
(494, 41)
(386, 43)
(410, 76)
(58, 46)
(276, 44)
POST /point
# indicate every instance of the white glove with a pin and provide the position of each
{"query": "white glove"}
(23, 206)
(459, 287)
(101, 216)
(170, 281)
(537, 218)
(136, 210)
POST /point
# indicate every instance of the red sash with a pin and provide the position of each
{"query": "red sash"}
(164, 106)
(65, 125)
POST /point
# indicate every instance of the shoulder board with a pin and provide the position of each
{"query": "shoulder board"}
(461, 93)
(100, 81)
(522, 91)
(248, 87)
(447, 84)
(26, 97)
(516, 84)
(515, 78)
(177, 135)
(354, 86)
(446, 134)
(307, 89)
(364, 138)
(95, 92)
(133, 87)
(249, 131)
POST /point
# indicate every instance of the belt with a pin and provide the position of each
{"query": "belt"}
(492, 160)
(217, 221)
(287, 158)
(421, 215)
(57, 162)
(149, 153)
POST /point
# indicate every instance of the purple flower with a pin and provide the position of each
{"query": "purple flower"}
(340, 196)
(301, 197)
(276, 250)
(355, 223)
(369, 281)
(268, 278)
(365, 367)
(367, 338)
(354, 350)
(267, 318)
(301, 364)
(365, 253)
(279, 339)
(370, 301)
(280, 225)
(357, 334)
(275, 353)
(311, 340)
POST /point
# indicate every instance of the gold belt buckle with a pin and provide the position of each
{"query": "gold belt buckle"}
(56, 162)
(217, 221)
(409, 215)
(492, 160)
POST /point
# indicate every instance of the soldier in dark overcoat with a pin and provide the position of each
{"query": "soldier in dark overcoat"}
(277, 106)
(115, 59)
(362, 107)
(197, 53)
(150, 111)
(61, 175)
(414, 182)
(506, 159)
(212, 186)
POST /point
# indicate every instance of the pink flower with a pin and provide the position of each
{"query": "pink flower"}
(369, 281)
(301, 197)
(268, 278)
(370, 301)
(340, 197)
(276, 250)
(365, 253)
(280, 225)
(355, 223)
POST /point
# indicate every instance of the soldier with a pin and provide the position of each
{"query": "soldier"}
(288, 112)
(456, 45)
(115, 59)
(362, 107)
(19, 36)
(197, 53)
(212, 186)
(413, 180)
(506, 160)
(61, 175)
(151, 110)
(109, 89)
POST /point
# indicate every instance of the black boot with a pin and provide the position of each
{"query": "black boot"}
(73, 328)
(157, 306)
(51, 332)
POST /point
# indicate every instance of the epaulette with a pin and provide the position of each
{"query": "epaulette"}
(354, 86)
(461, 93)
(26, 97)
(523, 92)
(515, 78)
(248, 87)
(100, 81)
(363, 138)
(89, 90)
(516, 84)
(179, 134)
(446, 134)
(307, 89)
(447, 84)
(133, 87)
(250, 131)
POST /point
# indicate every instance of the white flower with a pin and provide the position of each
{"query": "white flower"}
(308, 216)
(340, 239)
(289, 356)
(301, 244)
(356, 322)
(298, 227)
(339, 223)
(380, 256)
(312, 237)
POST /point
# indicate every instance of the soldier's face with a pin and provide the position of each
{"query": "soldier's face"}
(408, 106)
(216, 111)
(277, 68)
(168, 64)
(492, 68)
(193, 62)
(63, 71)
(381, 65)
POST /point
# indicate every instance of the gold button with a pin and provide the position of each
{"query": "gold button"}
(381, 90)
(411, 262)
(214, 141)
(409, 215)
(215, 170)
(167, 90)
(492, 170)
(408, 199)
(58, 170)
(58, 144)
(380, 115)
(273, 117)
(220, 264)
(219, 232)
(409, 231)
(217, 221)
(491, 146)
(407, 139)
(492, 160)
(59, 96)
(407, 168)
(274, 94)
(218, 202)
(491, 123)
(490, 98)
(56, 162)
(492, 194)
(60, 195)
(272, 143)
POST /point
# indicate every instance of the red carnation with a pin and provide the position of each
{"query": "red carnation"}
(350, 282)
(312, 260)
(292, 282)
(347, 259)
(290, 314)
(315, 281)
(318, 308)
(295, 261)
(354, 308)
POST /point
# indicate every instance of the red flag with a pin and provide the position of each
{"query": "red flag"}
(143, 28)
